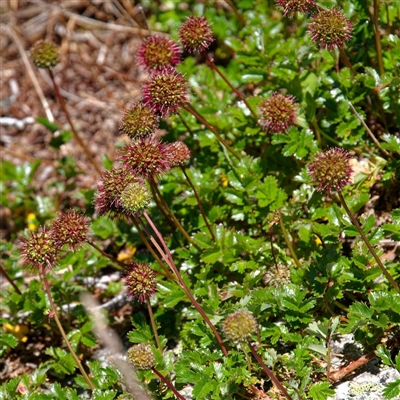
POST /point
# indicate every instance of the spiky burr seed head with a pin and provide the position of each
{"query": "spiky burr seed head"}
(278, 113)
(70, 228)
(141, 356)
(239, 326)
(331, 169)
(165, 92)
(44, 54)
(330, 28)
(138, 121)
(177, 154)
(38, 249)
(290, 7)
(134, 199)
(140, 281)
(111, 185)
(195, 34)
(146, 157)
(157, 52)
(277, 277)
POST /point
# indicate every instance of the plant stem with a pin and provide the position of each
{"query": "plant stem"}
(270, 374)
(74, 131)
(188, 128)
(366, 241)
(168, 383)
(153, 253)
(121, 265)
(153, 325)
(288, 243)
(271, 228)
(172, 216)
(247, 357)
(346, 61)
(371, 135)
(160, 206)
(198, 202)
(164, 253)
(42, 272)
(236, 12)
(378, 38)
(168, 259)
(190, 109)
(4, 272)
(225, 79)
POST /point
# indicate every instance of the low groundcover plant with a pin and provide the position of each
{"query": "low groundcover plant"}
(237, 214)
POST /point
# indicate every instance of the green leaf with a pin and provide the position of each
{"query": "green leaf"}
(382, 352)
(62, 138)
(202, 388)
(298, 143)
(392, 143)
(213, 255)
(361, 311)
(268, 194)
(392, 389)
(321, 391)
(8, 340)
(103, 227)
(104, 394)
(51, 126)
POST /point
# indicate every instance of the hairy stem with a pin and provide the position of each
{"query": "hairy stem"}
(366, 241)
(42, 272)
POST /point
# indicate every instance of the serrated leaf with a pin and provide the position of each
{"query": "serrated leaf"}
(382, 352)
(318, 348)
(392, 389)
(361, 310)
(298, 143)
(103, 394)
(174, 298)
(212, 255)
(202, 388)
(321, 391)
(392, 143)
(8, 340)
(203, 240)
(267, 191)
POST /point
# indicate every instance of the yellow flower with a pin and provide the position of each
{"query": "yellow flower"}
(127, 253)
(32, 222)
(19, 331)
(224, 181)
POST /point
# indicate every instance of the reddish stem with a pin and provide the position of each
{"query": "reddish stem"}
(168, 383)
(270, 374)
